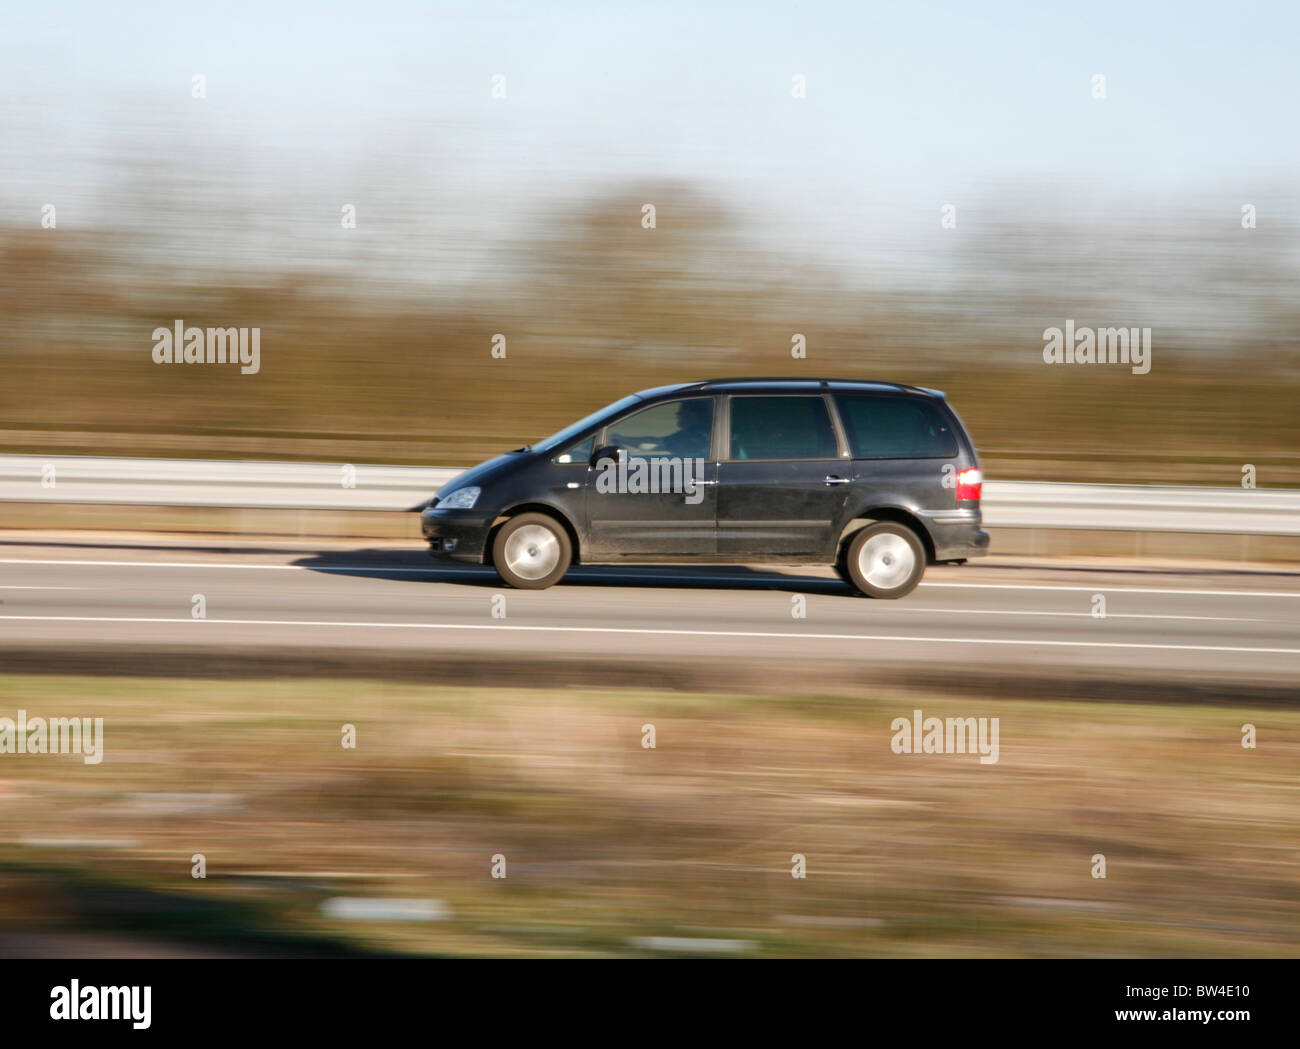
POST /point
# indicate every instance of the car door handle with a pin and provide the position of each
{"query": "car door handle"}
(839, 480)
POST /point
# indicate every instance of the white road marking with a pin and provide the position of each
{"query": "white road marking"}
(1094, 589)
(1101, 588)
(660, 632)
(173, 564)
(895, 608)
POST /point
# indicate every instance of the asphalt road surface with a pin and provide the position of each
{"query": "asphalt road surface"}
(1213, 623)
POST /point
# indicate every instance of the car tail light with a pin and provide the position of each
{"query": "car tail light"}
(969, 485)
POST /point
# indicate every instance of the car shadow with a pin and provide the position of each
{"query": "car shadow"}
(418, 567)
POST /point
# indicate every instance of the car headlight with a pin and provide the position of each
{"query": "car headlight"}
(460, 499)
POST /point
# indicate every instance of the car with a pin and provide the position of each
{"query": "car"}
(877, 479)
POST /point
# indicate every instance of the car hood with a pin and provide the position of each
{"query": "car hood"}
(484, 472)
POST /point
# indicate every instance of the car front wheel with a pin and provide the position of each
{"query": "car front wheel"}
(885, 560)
(531, 551)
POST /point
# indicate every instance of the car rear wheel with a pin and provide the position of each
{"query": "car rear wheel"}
(531, 551)
(885, 560)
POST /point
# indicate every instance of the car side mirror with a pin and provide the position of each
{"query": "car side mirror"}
(610, 451)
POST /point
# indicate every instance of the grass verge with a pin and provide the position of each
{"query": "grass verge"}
(608, 843)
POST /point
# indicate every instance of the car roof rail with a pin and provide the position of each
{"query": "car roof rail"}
(823, 382)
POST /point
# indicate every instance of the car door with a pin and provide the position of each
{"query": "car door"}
(902, 447)
(782, 478)
(657, 497)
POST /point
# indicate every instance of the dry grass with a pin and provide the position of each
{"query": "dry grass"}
(605, 840)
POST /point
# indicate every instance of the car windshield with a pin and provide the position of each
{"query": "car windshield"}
(573, 430)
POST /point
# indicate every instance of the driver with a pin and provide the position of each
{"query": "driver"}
(694, 429)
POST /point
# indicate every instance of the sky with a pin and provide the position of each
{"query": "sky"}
(908, 106)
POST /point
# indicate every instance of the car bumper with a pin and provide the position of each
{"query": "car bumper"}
(957, 534)
(456, 535)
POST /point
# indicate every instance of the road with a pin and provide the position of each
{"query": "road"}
(381, 603)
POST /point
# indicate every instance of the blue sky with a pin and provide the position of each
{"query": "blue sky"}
(908, 105)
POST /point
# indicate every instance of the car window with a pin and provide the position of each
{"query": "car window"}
(671, 430)
(560, 437)
(895, 428)
(781, 428)
(578, 453)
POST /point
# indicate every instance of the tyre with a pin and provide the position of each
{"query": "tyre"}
(885, 560)
(531, 551)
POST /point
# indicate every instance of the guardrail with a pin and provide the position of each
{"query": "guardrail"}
(213, 482)
(339, 486)
(1142, 508)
